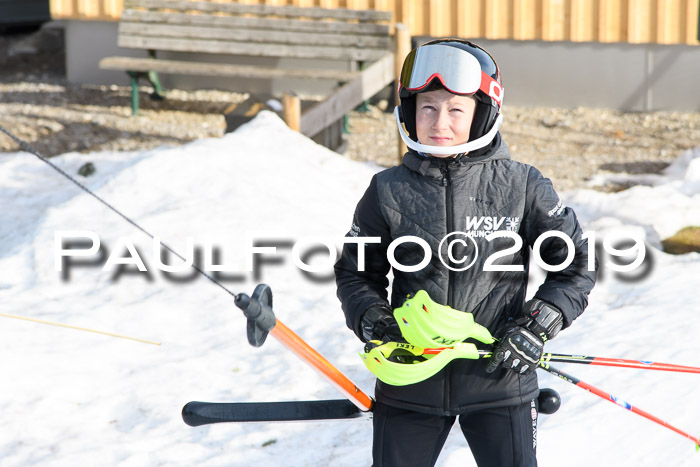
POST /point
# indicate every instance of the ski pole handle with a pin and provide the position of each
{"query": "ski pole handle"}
(258, 310)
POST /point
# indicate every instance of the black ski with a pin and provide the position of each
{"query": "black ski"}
(204, 413)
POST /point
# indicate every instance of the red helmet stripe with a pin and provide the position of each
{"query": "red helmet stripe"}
(491, 88)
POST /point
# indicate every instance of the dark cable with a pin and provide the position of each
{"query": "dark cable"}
(27, 148)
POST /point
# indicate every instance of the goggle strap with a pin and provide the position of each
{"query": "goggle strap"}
(448, 150)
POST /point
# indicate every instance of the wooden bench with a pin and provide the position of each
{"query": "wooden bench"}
(361, 38)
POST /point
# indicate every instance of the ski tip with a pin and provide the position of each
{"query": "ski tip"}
(190, 415)
(204, 413)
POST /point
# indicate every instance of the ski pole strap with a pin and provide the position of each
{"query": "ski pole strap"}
(609, 397)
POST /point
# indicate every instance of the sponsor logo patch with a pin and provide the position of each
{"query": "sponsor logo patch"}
(533, 414)
(481, 226)
(354, 230)
(556, 210)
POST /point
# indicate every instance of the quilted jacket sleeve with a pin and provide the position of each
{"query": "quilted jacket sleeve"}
(567, 289)
(359, 289)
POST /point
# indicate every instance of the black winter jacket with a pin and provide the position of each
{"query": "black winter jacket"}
(430, 198)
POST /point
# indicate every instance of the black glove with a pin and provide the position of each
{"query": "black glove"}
(378, 323)
(543, 319)
(522, 343)
(518, 349)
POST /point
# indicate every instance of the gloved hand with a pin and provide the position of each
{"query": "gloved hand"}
(518, 349)
(378, 323)
(544, 320)
(521, 344)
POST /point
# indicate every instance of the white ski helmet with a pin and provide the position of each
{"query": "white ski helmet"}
(462, 68)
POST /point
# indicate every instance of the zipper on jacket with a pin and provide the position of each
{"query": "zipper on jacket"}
(447, 183)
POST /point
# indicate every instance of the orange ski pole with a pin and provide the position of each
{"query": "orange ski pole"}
(615, 400)
(261, 321)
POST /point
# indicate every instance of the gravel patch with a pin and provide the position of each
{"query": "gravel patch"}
(569, 146)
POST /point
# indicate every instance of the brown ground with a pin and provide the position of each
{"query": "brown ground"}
(568, 145)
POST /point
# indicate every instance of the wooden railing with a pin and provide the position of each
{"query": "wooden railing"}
(634, 21)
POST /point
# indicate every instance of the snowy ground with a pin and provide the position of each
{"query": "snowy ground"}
(78, 398)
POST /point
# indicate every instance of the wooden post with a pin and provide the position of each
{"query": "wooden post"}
(692, 23)
(291, 111)
(698, 30)
(403, 47)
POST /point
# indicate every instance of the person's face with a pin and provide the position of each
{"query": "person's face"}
(443, 118)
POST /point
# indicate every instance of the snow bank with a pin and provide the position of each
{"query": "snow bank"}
(76, 398)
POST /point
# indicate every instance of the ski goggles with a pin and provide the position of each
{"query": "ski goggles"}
(400, 364)
(457, 69)
(426, 323)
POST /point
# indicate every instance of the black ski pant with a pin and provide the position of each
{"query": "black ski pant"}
(497, 437)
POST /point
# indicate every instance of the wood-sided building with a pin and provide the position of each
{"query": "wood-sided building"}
(625, 54)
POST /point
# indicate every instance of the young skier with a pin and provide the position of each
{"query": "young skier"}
(457, 219)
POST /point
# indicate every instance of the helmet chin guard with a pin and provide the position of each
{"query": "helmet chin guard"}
(478, 143)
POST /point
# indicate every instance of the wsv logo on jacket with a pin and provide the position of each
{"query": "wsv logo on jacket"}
(483, 225)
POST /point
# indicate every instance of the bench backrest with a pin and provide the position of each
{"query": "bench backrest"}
(257, 30)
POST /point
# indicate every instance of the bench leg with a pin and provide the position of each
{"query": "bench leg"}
(134, 77)
(158, 91)
(152, 76)
(346, 117)
(364, 107)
